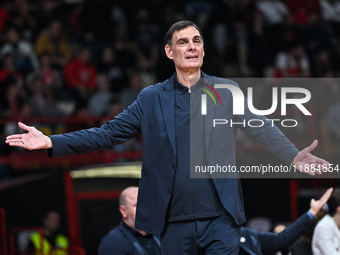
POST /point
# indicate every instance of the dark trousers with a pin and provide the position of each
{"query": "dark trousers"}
(218, 235)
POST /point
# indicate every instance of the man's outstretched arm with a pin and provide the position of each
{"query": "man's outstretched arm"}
(271, 242)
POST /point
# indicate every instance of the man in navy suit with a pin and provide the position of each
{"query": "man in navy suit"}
(257, 243)
(193, 215)
(125, 239)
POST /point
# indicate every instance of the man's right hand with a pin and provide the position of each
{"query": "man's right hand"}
(317, 205)
(32, 140)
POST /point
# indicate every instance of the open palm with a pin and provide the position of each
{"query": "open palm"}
(32, 140)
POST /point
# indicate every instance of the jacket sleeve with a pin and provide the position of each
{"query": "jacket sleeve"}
(121, 128)
(269, 135)
(271, 242)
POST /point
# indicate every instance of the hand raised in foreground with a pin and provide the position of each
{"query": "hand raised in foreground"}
(317, 205)
(32, 140)
(306, 162)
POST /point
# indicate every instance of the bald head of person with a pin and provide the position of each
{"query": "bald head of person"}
(127, 206)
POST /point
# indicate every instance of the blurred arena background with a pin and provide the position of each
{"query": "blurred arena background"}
(72, 64)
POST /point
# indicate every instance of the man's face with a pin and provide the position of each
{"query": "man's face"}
(187, 49)
(129, 211)
(51, 222)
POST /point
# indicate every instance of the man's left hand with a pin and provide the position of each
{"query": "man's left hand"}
(306, 162)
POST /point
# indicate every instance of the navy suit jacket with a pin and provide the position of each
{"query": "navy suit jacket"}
(121, 241)
(152, 116)
(258, 243)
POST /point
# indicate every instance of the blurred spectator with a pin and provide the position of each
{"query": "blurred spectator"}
(25, 58)
(292, 62)
(80, 118)
(326, 237)
(274, 12)
(118, 17)
(100, 100)
(42, 100)
(322, 63)
(129, 94)
(50, 76)
(220, 33)
(258, 54)
(22, 18)
(198, 11)
(291, 33)
(8, 77)
(242, 14)
(144, 41)
(4, 18)
(122, 50)
(52, 242)
(125, 239)
(55, 43)
(115, 72)
(80, 76)
(45, 15)
(317, 34)
(115, 108)
(15, 98)
(8, 73)
(301, 8)
(330, 11)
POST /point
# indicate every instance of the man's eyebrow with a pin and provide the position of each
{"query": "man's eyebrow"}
(185, 38)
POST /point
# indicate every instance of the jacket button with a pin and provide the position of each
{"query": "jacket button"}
(173, 166)
(169, 191)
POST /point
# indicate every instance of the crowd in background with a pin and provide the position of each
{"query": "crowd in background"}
(62, 58)
(91, 58)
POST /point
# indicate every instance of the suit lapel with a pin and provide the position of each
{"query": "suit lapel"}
(167, 99)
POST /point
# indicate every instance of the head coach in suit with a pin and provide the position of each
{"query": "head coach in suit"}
(193, 215)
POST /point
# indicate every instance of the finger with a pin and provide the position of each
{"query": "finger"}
(326, 196)
(308, 171)
(18, 144)
(312, 146)
(323, 166)
(23, 126)
(320, 160)
(319, 168)
(17, 140)
(10, 137)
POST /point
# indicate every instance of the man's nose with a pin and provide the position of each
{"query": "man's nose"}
(192, 46)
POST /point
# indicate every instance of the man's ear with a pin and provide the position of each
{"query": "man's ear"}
(122, 210)
(168, 51)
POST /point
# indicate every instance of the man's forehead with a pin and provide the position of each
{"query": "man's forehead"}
(188, 32)
(132, 195)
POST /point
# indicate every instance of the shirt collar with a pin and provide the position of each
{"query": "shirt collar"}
(180, 88)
